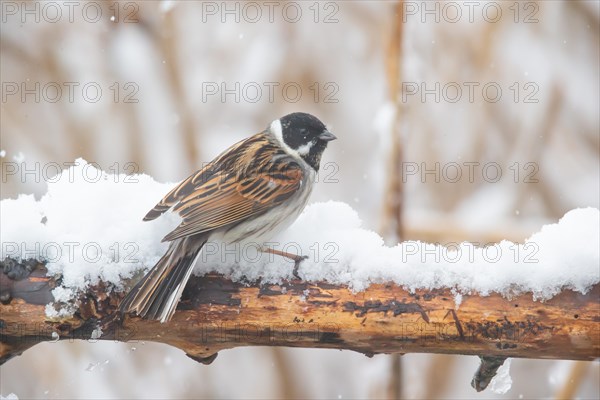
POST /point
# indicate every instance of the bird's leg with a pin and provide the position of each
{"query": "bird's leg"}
(294, 257)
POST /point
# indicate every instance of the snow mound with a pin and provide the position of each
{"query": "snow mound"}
(88, 228)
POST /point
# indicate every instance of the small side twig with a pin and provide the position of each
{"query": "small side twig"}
(486, 372)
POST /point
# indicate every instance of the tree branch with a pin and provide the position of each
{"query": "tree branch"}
(217, 314)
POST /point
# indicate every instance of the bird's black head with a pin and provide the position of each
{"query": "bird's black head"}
(303, 135)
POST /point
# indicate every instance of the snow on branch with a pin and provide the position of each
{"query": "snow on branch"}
(70, 256)
(216, 314)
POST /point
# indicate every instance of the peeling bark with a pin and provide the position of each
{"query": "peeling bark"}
(216, 314)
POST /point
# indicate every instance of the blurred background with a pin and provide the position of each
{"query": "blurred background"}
(457, 121)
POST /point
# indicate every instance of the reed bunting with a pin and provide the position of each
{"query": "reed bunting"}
(250, 192)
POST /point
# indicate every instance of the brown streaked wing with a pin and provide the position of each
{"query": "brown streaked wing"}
(173, 197)
(242, 184)
(235, 201)
(197, 179)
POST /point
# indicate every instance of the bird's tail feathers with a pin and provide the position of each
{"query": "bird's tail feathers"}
(157, 294)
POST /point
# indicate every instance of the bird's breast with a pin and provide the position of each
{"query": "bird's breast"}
(263, 227)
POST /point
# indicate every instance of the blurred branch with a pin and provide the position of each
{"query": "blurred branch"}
(394, 390)
(574, 380)
(439, 376)
(168, 48)
(216, 314)
(78, 136)
(129, 112)
(536, 153)
(287, 383)
(392, 207)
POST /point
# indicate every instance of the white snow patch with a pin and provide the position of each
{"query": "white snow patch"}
(10, 396)
(458, 298)
(90, 229)
(96, 333)
(92, 366)
(19, 157)
(167, 5)
(502, 382)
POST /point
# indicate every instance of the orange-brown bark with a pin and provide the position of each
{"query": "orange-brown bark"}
(217, 314)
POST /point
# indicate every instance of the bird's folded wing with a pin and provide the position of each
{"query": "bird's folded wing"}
(226, 199)
(197, 179)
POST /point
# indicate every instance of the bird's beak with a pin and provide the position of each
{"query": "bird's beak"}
(327, 136)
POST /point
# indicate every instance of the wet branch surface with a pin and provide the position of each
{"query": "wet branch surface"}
(216, 314)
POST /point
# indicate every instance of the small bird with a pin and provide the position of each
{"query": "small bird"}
(251, 191)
